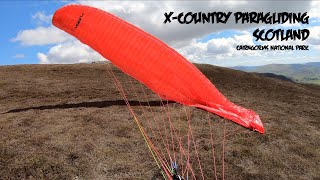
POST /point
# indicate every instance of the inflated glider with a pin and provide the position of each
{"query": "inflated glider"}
(150, 61)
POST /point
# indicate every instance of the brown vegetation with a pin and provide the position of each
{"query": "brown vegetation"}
(69, 122)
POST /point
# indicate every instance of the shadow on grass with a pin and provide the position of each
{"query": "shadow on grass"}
(96, 104)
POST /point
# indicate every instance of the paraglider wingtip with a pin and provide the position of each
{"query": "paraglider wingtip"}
(257, 124)
(260, 130)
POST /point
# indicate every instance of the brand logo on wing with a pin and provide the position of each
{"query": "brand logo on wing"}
(79, 20)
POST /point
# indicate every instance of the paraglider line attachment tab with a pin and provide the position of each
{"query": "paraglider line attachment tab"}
(79, 20)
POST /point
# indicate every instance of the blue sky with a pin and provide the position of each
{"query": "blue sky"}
(16, 16)
(28, 37)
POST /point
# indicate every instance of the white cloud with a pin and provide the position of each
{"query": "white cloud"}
(288, 25)
(314, 38)
(218, 49)
(317, 48)
(42, 18)
(18, 56)
(41, 36)
(69, 52)
(314, 10)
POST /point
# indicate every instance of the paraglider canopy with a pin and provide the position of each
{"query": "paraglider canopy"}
(150, 61)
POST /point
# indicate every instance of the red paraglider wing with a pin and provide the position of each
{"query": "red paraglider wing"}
(150, 61)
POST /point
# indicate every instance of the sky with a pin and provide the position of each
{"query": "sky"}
(27, 35)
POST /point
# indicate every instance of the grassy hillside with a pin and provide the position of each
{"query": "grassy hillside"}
(69, 122)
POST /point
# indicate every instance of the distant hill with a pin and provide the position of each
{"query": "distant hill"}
(271, 75)
(316, 64)
(302, 73)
